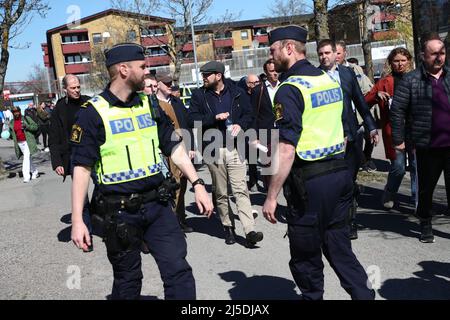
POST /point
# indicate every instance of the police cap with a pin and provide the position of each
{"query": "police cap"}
(123, 52)
(213, 67)
(289, 32)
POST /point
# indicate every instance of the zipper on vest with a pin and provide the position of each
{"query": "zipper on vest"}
(129, 158)
(154, 154)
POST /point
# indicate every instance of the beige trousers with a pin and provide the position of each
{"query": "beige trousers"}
(231, 168)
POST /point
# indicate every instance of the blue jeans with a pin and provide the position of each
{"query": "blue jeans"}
(397, 171)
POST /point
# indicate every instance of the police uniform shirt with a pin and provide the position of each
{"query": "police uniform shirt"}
(91, 135)
(289, 103)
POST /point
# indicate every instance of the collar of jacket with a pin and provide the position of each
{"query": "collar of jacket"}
(424, 71)
(229, 85)
(293, 69)
(114, 101)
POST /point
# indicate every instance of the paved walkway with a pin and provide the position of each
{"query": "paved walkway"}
(38, 261)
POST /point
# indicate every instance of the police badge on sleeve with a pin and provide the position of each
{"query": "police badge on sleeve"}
(75, 136)
(278, 111)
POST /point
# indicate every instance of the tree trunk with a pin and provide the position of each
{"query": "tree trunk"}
(4, 57)
(365, 41)
(321, 19)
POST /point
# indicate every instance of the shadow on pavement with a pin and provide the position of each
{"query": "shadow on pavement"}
(65, 234)
(430, 283)
(211, 226)
(259, 287)
(67, 218)
(396, 220)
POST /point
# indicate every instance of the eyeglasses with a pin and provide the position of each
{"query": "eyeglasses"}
(207, 74)
(254, 82)
(152, 86)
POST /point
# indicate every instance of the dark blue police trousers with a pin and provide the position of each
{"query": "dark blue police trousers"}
(167, 245)
(321, 228)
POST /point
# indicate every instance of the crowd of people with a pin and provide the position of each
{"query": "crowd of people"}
(135, 141)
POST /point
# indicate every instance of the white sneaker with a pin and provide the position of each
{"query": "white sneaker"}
(35, 175)
(26, 180)
(47, 150)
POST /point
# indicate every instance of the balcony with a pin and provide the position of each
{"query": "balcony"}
(188, 60)
(384, 35)
(76, 47)
(262, 38)
(46, 61)
(161, 60)
(148, 41)
(44, 48)
(220, 43)
(188, 47)
(77, 68)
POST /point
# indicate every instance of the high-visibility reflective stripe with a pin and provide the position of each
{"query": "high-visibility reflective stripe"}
(131, 174)
(320, 153)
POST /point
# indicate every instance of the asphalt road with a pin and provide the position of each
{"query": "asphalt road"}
(38, 261)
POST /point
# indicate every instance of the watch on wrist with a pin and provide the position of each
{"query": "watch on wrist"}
(198, 181)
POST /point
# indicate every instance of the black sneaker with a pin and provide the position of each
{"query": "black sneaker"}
(426, 232)
(252, 238)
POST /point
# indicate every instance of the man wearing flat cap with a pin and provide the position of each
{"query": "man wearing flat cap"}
(311, 170)
(221, 105)
(115, 137)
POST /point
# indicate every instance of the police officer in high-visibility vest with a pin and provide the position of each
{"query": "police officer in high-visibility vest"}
(314, 176)
(116, 135)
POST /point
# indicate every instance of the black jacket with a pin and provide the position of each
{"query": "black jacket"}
(412, 108)
(352, 93)
(60, 126)
(202, 108)
(262, 108)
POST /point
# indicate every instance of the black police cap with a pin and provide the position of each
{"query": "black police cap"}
(289, 32)
(123, 52)
(213, 67)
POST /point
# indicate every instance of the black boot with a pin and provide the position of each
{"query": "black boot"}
(252, 238)
(230, 235)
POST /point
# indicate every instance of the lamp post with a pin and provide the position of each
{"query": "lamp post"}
(193, 44)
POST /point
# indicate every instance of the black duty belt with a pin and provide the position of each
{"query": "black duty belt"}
(130, 202)
(319, 168)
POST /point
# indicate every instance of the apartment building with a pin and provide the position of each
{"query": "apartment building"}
(218, 41)
(78, 47)
(386, 19)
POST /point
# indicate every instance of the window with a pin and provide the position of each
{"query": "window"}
(153, 31)
(156, 51)
(244, 35)
(75, 38)
(260, 31)
(245, 47)
(97, 38)
(77, 58)
(131, 35)
(223, 35)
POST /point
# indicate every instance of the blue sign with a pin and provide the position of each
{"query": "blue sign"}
(145, 121)
(322, 98)
(121, 125)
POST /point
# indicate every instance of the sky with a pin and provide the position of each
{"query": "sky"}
(21, 61)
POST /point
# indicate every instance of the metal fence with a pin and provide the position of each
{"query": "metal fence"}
(248, 61)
